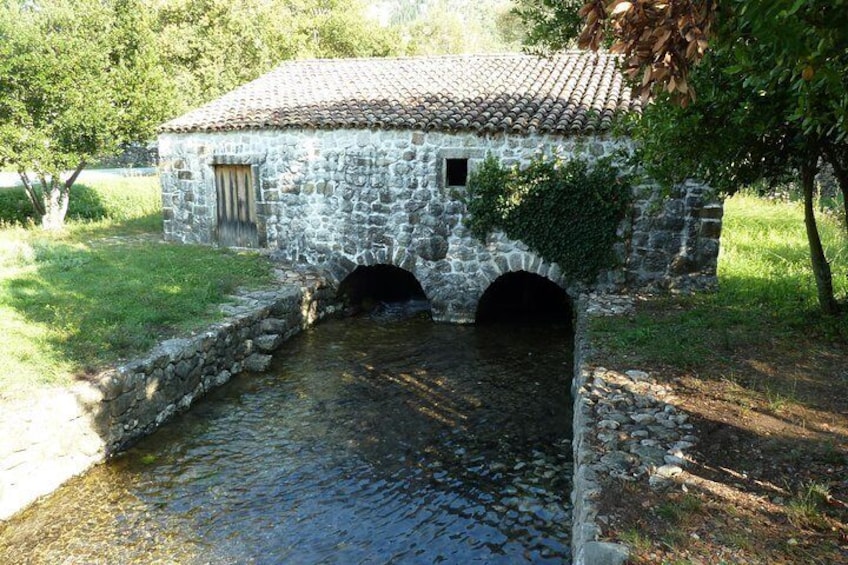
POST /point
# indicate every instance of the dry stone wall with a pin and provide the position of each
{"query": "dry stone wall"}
(627, 426)
(141, 395)
(89, 422)
(342, 198)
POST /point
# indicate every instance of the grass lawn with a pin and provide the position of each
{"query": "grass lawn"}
(765, 378)
(74, 302)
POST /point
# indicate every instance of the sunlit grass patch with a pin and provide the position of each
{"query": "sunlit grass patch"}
(100, 291)
(765, 257)
(766, 291)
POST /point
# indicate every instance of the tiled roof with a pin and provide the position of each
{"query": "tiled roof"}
(572, 92)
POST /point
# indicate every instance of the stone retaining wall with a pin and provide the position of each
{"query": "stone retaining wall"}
(61, 433)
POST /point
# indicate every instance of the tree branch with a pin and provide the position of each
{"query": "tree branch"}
(37, 203)
(72, 179)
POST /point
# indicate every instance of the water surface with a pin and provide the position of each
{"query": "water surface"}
(368, 442)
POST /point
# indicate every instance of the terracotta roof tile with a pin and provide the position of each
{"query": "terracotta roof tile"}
(572, 92)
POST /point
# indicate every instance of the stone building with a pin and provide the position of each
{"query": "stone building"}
(360, 162)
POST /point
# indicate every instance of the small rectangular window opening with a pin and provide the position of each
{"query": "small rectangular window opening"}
(456, 172)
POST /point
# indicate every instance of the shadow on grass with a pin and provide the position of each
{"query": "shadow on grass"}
(759, 482)
(111, 291)
(755, 480)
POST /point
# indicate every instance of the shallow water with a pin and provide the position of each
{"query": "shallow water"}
(368, 442)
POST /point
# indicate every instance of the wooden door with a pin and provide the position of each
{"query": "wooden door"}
(236, 206)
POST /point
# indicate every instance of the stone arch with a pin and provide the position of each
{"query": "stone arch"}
(369, 286)
(340, 265)
(524, 296)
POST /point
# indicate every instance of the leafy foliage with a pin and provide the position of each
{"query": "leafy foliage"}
(660, 40)
(430, 27)
(552, 25)
(567, 211)
(772, 83)
(77, 78)
(209, 47)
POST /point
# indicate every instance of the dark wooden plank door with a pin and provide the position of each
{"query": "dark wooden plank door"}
(236, 206)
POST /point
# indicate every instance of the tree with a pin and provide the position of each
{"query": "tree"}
(431, 27)
(742, 91)
(209, 47)
(550, 24)
(77, 79)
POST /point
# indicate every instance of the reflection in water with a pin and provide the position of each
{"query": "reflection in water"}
(368, 442)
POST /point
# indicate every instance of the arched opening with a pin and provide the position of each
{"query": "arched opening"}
(523, 297)
(383, 290)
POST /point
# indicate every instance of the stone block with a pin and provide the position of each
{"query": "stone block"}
(433, 248)
(273, 326)
(712, 212)
(711, 229)
(268, 343)
(257, 363)
(604, 553)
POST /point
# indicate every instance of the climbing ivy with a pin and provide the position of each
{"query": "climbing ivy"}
(566, 211)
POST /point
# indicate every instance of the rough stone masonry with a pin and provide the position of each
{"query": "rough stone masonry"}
(340, 198)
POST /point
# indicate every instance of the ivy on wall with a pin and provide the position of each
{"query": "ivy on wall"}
(566, 211)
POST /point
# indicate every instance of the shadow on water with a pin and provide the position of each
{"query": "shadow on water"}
(369, 441)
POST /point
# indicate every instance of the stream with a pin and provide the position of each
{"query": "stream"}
(368, 441)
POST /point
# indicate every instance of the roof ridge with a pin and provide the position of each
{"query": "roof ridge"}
(449, 56)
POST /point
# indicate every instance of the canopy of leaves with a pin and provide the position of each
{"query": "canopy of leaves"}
(551, 24)
(431, 27)
(209, 47)
(76, 79)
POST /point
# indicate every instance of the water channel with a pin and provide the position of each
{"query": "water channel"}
(369, 441)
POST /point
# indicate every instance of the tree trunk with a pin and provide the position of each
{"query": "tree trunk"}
(840, 171)
(821, 268)
(56, 197)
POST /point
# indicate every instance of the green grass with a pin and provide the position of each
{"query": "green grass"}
(766, 291)
(805, 508)
(121, 199)
(71, 303)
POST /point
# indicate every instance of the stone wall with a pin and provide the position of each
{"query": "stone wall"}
(627, 427)
(141, 395)
(343, 198)
(89, 422)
